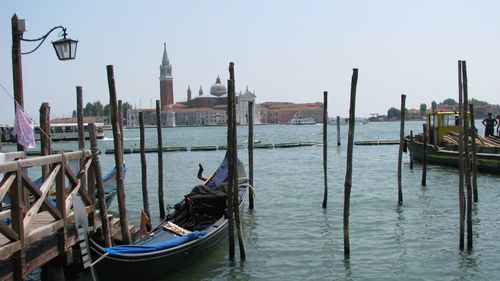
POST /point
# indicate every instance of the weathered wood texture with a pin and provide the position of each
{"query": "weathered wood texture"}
(120, 187)
(401, 143)
(144, 166)
(160, 160)
(39, 232)
(325, 149)
(348, 173)
(250, 155)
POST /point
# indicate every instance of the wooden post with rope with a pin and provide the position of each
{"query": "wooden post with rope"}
(120, 188)
(231, 168)
(234, 148)
(96, 167)
(79, 120)
(45, 141)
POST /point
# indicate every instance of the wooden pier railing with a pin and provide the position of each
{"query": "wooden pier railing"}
(37, 226)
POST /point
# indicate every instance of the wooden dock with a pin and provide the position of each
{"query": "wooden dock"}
(38, 227)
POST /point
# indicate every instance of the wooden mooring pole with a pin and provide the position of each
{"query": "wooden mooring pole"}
(160, 160)
(250, 154)
(401, 143)
(81, 133)
(474, 155)
(231, 166)
(144, 170)
(120, 122)
(79, 119)
(237, 216)
(424, 160)
(120, 187)
(467, 165)
(348, 174)
(338, 130)
(461, 195)
(325, 148)
(96, 166)
(410, 149)
(45, 142)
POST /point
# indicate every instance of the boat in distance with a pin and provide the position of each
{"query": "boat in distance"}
(442, 145)
(58, 132)
(197, 226)
(302, 121)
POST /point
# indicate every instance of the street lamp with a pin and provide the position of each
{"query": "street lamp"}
(65, 50)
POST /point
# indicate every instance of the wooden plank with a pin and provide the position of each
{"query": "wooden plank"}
(12, 156)
(36, 192)
(17, 207)
(44, 189)
(77, 183)
(43, 228)
(4, 188)
(8, 250)
(5, 214)
(42, 160)
(8, 232)
(61, 195)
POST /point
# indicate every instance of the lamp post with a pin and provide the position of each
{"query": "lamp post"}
(65, 50)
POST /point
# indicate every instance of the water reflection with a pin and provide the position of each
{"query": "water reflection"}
(347, 269)
(399, 232)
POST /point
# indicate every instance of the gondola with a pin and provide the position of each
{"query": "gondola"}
(197, 226)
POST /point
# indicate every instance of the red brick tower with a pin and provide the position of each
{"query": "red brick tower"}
(166, 80)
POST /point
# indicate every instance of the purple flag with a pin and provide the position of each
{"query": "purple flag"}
(23, 129)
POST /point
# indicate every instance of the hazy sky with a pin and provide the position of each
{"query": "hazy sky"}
(283, 50)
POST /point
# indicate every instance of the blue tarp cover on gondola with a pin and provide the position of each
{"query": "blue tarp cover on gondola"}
(141, 249)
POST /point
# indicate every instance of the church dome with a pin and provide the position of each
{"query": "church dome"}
(218, 89)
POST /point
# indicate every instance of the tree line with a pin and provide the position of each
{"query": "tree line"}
(98, 109)
(394, 113)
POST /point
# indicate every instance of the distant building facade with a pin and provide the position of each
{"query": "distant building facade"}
(211, 110)
(166, 80)
(283, 112)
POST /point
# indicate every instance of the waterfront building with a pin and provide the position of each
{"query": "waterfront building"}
(210, 110)
(166, 80)
(242, 108)
(283, 112)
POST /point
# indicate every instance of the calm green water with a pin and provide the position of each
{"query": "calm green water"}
(290, 237)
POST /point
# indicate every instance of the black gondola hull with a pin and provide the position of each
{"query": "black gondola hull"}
(158, 264)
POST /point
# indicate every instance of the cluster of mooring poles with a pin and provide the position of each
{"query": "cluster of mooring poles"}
(117, 124)
(466, 165)
(234, 216)
(467, 159)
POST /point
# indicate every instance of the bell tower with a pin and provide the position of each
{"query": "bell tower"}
(166, 80)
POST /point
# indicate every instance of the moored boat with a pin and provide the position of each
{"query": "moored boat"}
(58, 132)
(442, 144)
(193, 230)
(302, 121)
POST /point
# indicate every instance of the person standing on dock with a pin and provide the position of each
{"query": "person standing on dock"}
(489, 124)
(498, 125)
